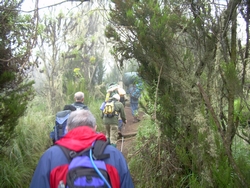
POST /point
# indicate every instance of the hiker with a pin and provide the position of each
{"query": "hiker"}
(135, 92)
(111, 123)
(69, 107)
(112, 90)
(59, 130)
(116, 89)
(79, 99)
(81, 134)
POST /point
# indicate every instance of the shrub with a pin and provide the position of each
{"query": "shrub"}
(32, 138)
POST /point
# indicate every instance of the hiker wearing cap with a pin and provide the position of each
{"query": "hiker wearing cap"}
(111, 122)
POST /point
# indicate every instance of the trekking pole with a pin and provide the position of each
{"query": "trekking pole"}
(122, 143)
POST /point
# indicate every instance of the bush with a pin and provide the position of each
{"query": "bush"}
(32, 138)
(94, 107)
(170, 164)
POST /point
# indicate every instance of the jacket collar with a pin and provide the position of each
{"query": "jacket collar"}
(80, 138)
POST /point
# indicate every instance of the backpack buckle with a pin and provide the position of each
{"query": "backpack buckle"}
(72, 154)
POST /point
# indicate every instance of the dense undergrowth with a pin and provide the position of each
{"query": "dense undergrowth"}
(162, 162)
(167, 162)
(32, 139)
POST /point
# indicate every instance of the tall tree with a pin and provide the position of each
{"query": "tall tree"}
(52, 42)
(90, 48)
(17, 34)
(187, 50)
(71, 50)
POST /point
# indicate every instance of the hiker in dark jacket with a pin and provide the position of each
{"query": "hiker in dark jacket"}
(79, 101)
(62, 116)
(111, 123)
(81, 134)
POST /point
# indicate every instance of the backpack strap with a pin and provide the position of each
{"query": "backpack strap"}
(115, 113)
(98, 149)
(66, 152)
(70, 154)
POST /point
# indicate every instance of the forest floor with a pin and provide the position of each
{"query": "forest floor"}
(129, 131)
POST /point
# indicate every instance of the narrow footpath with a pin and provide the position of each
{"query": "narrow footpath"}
(129, 131)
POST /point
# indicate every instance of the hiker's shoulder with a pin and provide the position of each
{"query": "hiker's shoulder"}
(80, 105)
(116, 158)
(54, 154)
(63, 113)
(85, 107)
(53, 150)
(118, 103)
(114, 152)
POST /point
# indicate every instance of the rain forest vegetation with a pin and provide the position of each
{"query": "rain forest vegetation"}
(17, 38)
(190, 55)
(60, 64)
(17, 35)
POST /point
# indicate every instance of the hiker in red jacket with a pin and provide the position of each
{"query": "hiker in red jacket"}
(81, 134)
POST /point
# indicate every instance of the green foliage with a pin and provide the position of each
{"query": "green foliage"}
(182, 164)
(241, 112)
(32, 138)
(175, 48)
(223, 174)
(146, 131)
(94, 106)
(145, 149)
(73, 82)
(233, 83)
(241, 152)
(15, 89)
(13, 105)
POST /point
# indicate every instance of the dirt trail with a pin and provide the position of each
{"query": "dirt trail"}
(129, 129)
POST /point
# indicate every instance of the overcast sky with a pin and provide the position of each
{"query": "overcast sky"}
(29, 5)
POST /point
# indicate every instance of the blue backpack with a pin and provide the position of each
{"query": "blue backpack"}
(87, 168)
(136, 90)
(60, 125)
(61, 120)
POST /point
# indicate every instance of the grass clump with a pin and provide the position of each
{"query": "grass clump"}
(94, 107)
(31, 140)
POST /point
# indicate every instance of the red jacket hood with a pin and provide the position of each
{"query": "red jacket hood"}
(80, 138)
